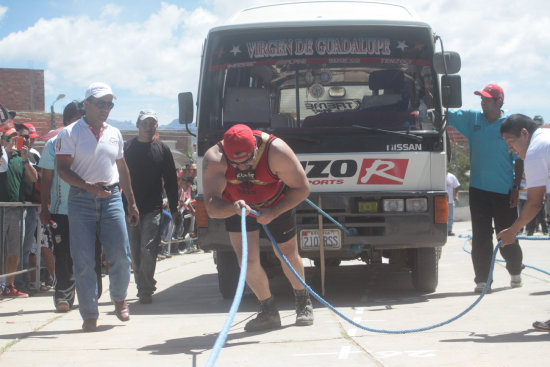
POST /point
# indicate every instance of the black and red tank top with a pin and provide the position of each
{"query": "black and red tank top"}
(258, 187)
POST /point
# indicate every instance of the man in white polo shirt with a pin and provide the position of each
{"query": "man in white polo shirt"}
(89, 155)
(532, 144)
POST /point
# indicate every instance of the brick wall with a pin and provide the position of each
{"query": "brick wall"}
(456, 137)
(40, 120)
(22, 89)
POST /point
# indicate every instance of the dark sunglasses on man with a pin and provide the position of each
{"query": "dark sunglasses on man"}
(102, 105)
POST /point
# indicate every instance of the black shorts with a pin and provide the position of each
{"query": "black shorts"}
(283, 228)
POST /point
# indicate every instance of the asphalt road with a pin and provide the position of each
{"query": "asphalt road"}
(181, 326)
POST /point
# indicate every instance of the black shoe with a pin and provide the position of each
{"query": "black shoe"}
(268, 317)
(89, 325)
(146, 299)
(542, 325)
(450, 233)
(304, 308)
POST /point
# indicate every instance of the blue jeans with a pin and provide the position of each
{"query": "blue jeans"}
(144, 241)
(451, 219)
(89, 215)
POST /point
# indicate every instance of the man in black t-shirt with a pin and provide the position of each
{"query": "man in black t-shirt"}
(151, 164)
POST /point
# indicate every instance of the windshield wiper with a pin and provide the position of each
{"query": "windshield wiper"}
(300, 138)
(407, 134)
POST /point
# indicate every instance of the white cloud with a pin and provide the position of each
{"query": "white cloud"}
(3, 11)
(111, 11)
(154, 59)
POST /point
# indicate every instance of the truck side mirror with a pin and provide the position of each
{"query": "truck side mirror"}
(185, 101)
(451, 91)
(451, 59)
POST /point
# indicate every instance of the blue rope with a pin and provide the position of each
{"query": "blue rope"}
(468, 238)
(347, 231)
(406, 331)
(222, 336)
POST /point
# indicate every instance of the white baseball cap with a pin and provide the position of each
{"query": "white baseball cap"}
(98, 90)
(144, 114)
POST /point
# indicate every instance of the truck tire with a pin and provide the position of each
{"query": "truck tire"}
(425, 268)
(228, 273)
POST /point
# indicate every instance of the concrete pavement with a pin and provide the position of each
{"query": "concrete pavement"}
(181, 326)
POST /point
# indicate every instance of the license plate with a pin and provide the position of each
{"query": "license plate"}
(309, 239)
(367, 206)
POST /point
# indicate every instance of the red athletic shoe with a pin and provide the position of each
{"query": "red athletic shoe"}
(12, 292)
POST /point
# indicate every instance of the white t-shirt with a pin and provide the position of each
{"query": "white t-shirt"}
(537, 159)
(4, 160)
(94, 159)
(451, 184)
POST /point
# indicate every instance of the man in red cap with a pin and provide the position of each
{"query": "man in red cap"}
(495, 175)
(255, 170)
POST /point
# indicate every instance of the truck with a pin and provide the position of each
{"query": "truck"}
(358, 91)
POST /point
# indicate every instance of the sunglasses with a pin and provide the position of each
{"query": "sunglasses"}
(235, 164)
(102, 105)
(25, 136)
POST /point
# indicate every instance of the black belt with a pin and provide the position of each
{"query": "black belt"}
(110, 187)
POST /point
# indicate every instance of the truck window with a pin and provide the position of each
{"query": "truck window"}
(325, 79)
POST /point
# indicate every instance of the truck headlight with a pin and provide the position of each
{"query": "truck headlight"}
(417, 205)
(393, 205)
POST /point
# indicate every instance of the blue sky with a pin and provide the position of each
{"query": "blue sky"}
(149, 51)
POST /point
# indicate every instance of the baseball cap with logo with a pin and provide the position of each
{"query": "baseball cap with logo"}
(491, 91)
(144, 114)
(32, 131)
(238, 142)
(98, 90)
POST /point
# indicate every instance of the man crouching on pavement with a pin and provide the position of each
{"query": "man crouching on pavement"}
(255, 170)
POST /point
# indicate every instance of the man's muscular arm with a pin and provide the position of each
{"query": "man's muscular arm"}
(284, 163)
(213, 185)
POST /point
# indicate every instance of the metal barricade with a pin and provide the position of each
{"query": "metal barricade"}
(3, 241)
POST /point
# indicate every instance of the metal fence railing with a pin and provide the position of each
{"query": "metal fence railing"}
(4, 210)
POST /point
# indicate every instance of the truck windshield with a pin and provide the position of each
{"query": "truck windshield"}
(325, 78)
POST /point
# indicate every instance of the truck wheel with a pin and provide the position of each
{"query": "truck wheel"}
(228, 273)
(425, 268)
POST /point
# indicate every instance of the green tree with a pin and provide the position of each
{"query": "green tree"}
(459, 165)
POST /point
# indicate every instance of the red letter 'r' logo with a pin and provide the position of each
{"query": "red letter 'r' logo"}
(383, 172)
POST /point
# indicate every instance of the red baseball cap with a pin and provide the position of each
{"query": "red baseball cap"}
(32, 131)
(238, 142)
(491, 91)
(7, 128)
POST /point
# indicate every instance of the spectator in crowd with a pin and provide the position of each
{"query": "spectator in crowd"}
(184, 198)
(522, 197)
(254, 170)
(452, 186)
(151, 165)
(89, 155)
(28, 133)
(185, 205)
(495, 175)
(54, 214)
(46, 244)
(11, 191)
(532, 144)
